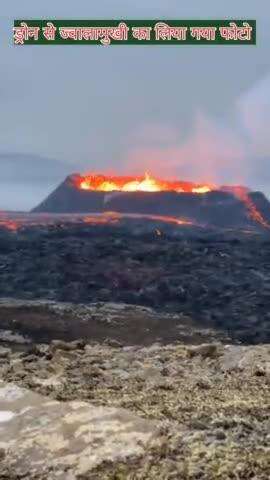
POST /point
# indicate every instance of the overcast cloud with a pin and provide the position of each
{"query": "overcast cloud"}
(201, 112)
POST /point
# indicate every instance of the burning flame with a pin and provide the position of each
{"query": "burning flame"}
(139, 184)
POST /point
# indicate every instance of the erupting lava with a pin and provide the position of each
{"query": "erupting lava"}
(253, 211)
(157, 199)
(146, 183)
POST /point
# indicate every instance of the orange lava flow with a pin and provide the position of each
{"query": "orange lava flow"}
(146, 183)
(254, 213)
(115, 217)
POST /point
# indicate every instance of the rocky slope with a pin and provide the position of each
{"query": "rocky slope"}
(219, 279)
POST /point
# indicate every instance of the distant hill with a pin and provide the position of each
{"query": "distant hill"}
(25, 179)
(29, 168)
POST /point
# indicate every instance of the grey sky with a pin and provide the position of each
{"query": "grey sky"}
(187, 111)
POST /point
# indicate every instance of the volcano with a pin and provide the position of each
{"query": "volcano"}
(201, 204)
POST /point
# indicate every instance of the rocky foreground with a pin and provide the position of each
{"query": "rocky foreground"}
(71, 410)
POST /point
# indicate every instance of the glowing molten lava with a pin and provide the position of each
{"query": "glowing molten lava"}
(148, 183)
(253, 211)
(139, 184)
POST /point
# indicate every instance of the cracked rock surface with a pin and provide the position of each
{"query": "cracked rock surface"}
(43, 437)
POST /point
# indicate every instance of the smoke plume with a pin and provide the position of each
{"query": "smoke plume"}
(231, 150)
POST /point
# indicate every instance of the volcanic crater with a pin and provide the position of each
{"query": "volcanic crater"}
(188, 202)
